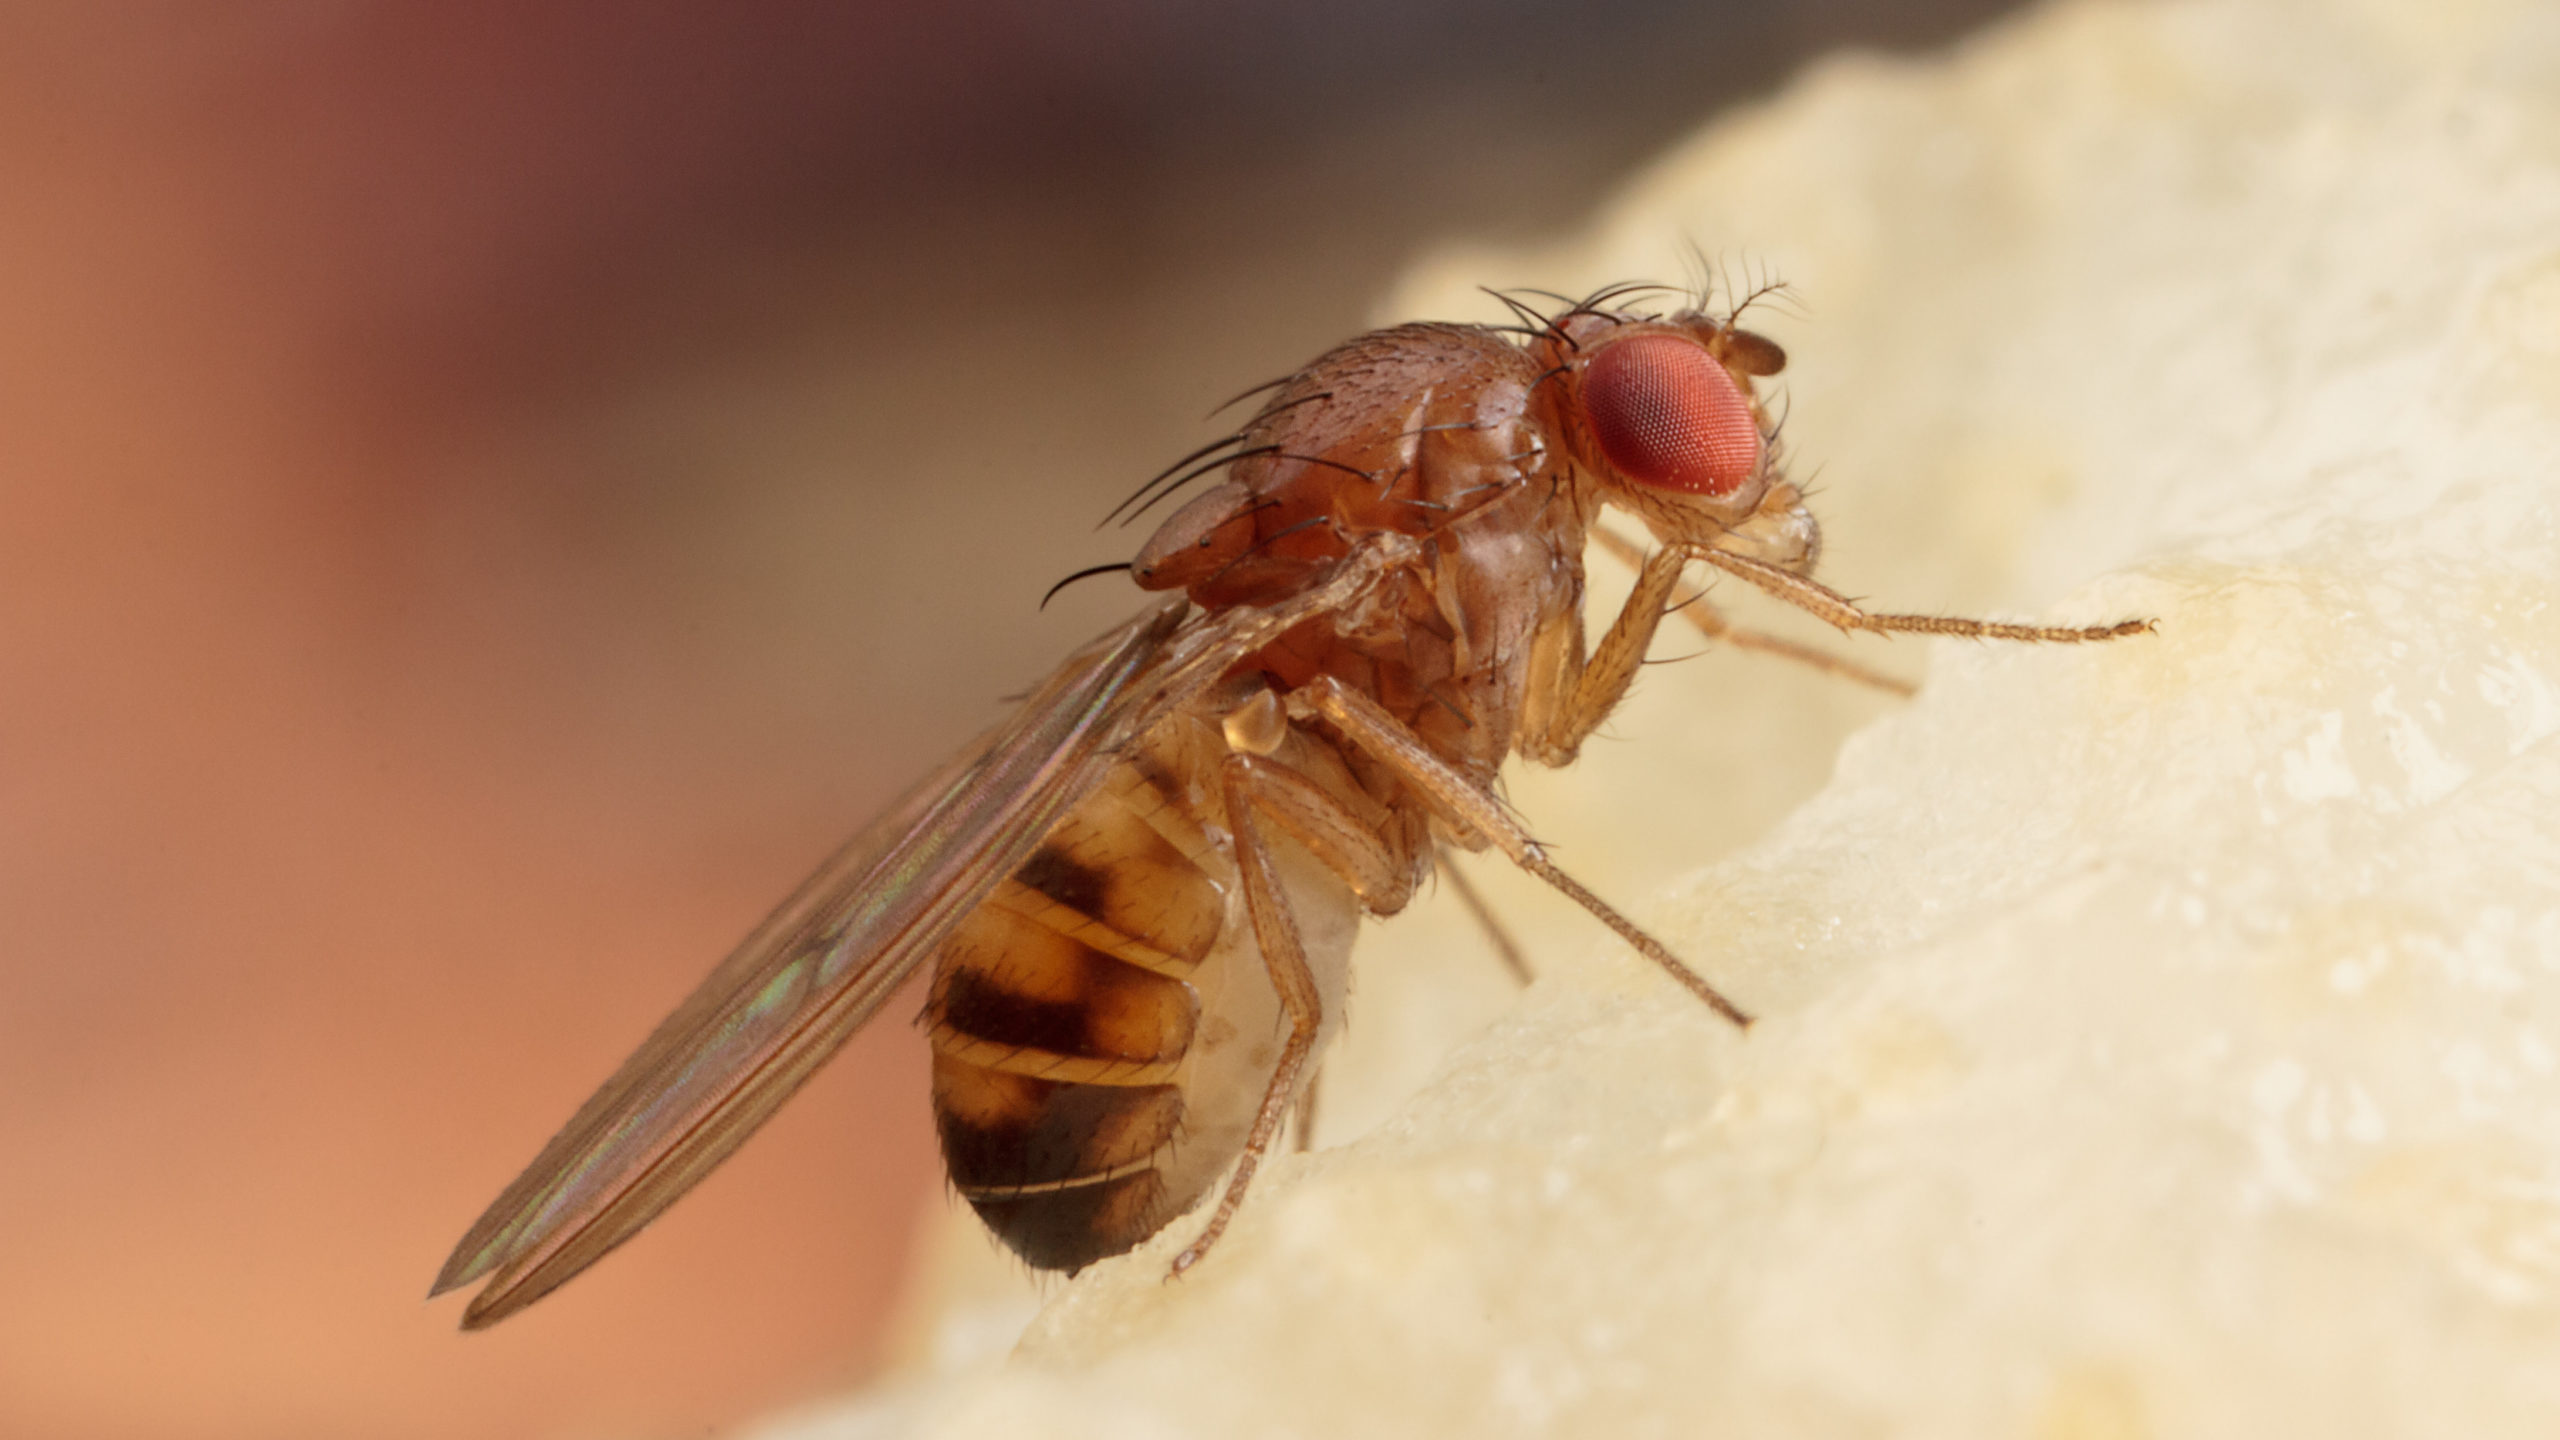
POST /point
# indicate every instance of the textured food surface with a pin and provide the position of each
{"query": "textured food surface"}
(2160, 1038)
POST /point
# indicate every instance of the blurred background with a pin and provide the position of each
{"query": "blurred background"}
(489, 494)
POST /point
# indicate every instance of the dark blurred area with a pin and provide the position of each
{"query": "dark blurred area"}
(490, 493)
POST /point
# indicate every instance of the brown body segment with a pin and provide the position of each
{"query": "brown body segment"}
(1059, 1013)
(1102, 1027)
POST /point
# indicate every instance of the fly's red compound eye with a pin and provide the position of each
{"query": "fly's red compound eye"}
(1667, 415)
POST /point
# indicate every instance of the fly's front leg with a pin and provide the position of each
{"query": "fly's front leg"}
(1365, 724)
(1828, 604)
(1587, 691)
(1263, 793)
(1710, 622)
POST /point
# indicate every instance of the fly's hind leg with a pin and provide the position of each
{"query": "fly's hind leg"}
(1506, 949)
(1262, 793)
(1302, 1125)
(1515, 962)
(1364, 723)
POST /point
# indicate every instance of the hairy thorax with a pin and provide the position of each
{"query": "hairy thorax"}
(1425, 430)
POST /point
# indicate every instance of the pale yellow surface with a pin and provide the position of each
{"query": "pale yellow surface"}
(2161, 1039)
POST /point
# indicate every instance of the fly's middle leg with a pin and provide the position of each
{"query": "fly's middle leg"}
(1457, 795)
(1263, 795)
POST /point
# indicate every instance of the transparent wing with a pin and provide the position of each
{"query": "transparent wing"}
(808, 977)
(763, 1022)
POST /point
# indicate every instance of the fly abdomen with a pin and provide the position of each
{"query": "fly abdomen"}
(1059, 1017)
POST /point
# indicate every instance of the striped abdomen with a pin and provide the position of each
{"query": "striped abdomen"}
(1102, 1026)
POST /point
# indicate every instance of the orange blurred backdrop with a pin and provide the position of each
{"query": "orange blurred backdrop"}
(489, 494)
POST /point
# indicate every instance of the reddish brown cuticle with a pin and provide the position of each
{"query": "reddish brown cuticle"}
(1669, 416)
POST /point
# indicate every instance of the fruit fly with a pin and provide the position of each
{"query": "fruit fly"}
(1139, 894)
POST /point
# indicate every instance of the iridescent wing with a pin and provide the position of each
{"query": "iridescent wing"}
(780, 1005)
(809, 976)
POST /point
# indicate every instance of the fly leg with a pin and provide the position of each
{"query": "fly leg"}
(1302, 1125)
(1504, 947)
(1587, 690)
(1364, 723)
(1263, 793)
(1711, 622)
(1825, 603)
